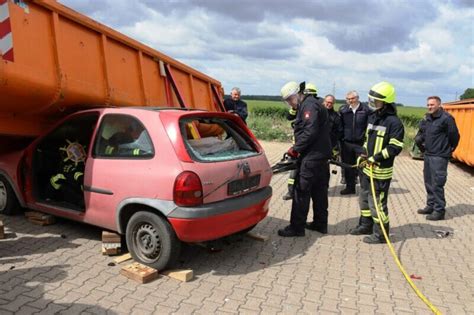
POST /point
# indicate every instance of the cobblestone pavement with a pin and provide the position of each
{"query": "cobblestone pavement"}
(59, 268)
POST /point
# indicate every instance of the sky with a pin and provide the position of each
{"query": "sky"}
(422, 47)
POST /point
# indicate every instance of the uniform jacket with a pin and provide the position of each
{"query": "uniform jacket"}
(354, 125)
(335, 127)
(312, 130)
(239, 107)
(438, 134)
(384, 141)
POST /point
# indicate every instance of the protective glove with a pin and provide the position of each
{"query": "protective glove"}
(292, 153)
(363, 161)
(335, 154)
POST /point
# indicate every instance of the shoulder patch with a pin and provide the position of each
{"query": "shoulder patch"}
(306, 115)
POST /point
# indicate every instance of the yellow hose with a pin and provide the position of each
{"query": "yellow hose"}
(392, 250)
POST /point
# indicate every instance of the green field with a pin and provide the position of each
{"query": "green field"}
(402, 110)
(267, 121)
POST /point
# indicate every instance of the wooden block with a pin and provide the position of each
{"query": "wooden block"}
(122, 258)
(139, 272)
(110, 237)
(111, 248)
(181, 275)
(258, 237)
(40, 218)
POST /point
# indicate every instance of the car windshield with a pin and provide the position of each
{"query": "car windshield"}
(216, 139)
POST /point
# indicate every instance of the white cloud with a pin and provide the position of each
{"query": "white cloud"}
(423, 47)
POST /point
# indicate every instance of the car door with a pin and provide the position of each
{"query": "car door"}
(122, 152)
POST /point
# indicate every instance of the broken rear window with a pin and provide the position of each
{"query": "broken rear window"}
(216, 139)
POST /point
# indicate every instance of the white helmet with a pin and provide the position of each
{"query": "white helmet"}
(289, 89)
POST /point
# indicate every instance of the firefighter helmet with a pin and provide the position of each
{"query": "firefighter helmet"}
(289, 89)
(382, 91)
(310, 88)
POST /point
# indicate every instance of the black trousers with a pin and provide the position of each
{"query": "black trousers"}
(312, 183)
(367, 203)
(349, 156)
(435, 173)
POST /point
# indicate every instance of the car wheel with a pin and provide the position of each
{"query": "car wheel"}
(8, 201)
(152, 241)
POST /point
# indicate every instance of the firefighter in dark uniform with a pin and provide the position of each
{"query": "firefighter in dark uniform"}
(437, 138)
(291, 116)
(335, 125)
(312, 148)
(384, 141)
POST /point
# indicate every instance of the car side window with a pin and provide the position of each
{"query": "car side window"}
(122, 136)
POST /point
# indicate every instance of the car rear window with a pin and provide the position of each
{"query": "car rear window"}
(216, 139)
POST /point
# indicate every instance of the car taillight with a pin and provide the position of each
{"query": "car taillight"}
(187, 190)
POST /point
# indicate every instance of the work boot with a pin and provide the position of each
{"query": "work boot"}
(287, 196)
(373, 239)
(425, 210)
(348, 191)
(289, 231)
(435, 216)
(314, 226)
(365, 227)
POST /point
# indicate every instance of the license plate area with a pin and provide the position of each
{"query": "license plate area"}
(243, 185)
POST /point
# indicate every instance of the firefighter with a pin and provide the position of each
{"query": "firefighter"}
(312, 148)
(384, 141)
(291, 116)
(67, 183)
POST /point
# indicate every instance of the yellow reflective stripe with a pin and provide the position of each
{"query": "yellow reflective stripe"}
(378, 175)
(77, 175)
(365, 213)
(385, 153)
(291, 181)
(292, 111)
(53, 180)
(136, 151)
(396, 142)
(378, 142)
(376, 220)
(109, 150)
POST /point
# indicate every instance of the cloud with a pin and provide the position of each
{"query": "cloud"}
(420, 46)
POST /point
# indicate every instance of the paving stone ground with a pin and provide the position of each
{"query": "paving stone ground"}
(59, 268)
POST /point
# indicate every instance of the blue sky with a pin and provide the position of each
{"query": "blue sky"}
(422, 47)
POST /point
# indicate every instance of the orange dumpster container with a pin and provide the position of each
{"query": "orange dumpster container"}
(463, 113)
(54, 61)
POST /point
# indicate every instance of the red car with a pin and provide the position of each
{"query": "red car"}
(159, 176)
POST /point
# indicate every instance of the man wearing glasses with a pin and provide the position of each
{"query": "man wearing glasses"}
(354, 117)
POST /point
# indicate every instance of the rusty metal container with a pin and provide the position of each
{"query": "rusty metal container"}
(54, 61)
(463, 113)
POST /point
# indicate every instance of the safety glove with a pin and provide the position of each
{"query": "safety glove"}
(292, 153)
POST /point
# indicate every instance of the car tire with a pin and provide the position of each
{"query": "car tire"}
(8, 201)
(152, 241)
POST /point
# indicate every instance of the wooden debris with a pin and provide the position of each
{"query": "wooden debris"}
(111, 243)
(123, 258)
(139, 272)
(2, 230)
(110, 237)
(184, 275)
(40, 218)
(111, 248)
(258, 237)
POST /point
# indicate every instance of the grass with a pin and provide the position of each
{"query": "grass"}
(267, 121)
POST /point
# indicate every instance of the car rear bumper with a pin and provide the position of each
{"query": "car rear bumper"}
(219, 219)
